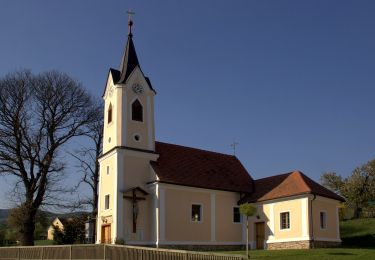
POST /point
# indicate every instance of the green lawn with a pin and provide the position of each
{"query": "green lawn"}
(358, 233)
(327, 253)
(43, 242)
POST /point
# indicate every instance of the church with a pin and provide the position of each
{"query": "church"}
(166, 195)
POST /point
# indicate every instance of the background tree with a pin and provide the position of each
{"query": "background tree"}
(15, 222)
(248, 210)
(39, 114)
(358, 189)
(74, 231)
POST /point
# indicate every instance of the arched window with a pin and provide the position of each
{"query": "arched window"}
(109, 114)
(137, 111)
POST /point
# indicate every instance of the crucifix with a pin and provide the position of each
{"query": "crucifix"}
(130, 22)
(135, 200)
(234, 145)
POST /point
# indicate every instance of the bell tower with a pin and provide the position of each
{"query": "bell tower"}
(129, 104)
(128, 148)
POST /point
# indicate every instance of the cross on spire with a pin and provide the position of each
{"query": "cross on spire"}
(130, 22)
(234, 145)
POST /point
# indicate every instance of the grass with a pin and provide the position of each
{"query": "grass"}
(43, 242)
(358, 242)
(358, 233)
(321, 254)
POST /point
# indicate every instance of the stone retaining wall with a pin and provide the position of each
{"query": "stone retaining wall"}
(307, 244)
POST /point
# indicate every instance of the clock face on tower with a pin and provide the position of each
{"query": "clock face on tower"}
(137, 88)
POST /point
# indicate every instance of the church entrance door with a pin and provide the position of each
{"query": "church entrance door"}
(259, 235)
(106, 234)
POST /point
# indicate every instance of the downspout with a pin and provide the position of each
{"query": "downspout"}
(312, 222)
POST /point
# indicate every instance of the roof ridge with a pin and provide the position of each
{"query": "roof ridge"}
(277, 175)
(198, 149)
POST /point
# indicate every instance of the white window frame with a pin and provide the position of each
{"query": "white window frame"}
(240, 222)
(201, 211)
(109, 201)
(325, 220)
(290, 221)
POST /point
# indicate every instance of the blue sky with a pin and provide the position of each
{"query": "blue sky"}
(292, 81)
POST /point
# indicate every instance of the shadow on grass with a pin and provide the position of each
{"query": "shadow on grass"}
(340, 253)
(359, 241)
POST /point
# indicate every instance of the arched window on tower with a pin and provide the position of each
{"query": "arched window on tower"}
(137, 111)
(109, 115)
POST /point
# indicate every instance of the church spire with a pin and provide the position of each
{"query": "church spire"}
(129, 60)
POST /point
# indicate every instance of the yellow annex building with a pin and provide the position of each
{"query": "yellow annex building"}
(166, 195)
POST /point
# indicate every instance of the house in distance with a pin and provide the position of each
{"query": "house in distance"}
(167, 195)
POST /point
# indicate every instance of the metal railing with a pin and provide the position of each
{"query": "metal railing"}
(106, 252)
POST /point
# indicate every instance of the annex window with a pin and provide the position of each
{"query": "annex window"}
(106, 202)
(323, 220)
(107, 170)
(284, 220)
(109, 115)
(236, 215)
(196, 213)
(137, 111)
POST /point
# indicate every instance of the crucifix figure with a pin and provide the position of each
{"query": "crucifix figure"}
(130, 22)
(135, 210)
(234, 145)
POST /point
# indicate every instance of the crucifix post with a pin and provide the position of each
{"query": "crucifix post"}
(135, 210)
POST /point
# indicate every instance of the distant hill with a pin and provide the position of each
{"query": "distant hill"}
(4, 213)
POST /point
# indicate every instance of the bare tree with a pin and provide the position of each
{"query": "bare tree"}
(39, 114)
(88, 156)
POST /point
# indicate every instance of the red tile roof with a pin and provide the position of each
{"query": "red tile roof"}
(199, 168)
(286, 185)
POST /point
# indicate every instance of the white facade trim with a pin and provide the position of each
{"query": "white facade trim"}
(162, 213)
(120, 202)
(213, 217)
(337, 224)
(115, 200)
(98, 221)
(140, 154)
(271, 221)
(149, 129)
(157, 217)
(107, 155)
(305, 223)
(124, 110)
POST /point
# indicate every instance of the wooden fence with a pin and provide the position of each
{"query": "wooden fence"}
(106, 252)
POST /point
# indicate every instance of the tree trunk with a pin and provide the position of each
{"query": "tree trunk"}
(27, 235)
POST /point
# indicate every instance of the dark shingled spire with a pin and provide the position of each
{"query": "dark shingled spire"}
(129, 60)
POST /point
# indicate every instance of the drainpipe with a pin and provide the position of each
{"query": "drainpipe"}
(312, 222)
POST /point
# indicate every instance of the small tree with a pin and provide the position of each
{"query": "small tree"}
(248, 210)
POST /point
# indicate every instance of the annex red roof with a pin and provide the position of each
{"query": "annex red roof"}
(286, 185)
(199, 168)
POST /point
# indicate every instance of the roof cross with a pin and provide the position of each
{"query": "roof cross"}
(234, 145)
(130, 22)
